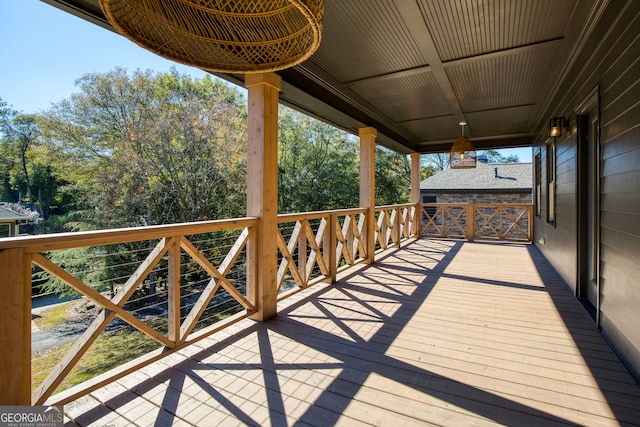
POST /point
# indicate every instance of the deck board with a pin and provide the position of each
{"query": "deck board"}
(437, 333)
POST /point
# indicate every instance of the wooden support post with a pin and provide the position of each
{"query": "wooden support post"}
(530, 221)
(15, 327)
(368, 187)
(415, 192)
(262, 190)
(471, 221)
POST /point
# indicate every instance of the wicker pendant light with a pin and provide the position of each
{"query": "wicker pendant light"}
(463, 153)
(241, 36)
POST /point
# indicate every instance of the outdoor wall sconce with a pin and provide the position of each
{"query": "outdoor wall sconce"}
(242, 36)
(557, 125)
(463, 153)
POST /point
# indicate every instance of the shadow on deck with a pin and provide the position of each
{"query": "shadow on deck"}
(439, 332)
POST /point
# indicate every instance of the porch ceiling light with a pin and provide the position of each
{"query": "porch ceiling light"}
(228, 36)
(463, 153)
(557, 125)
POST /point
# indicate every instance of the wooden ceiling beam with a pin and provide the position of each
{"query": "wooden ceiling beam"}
(511, 141)
(412, 16)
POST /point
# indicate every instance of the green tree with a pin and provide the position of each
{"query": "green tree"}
(23, 134)
(393, 177)
(495, 156)
(320, 167)
(24, 166)
(435, 161)
(149, 148)
(318, 163)
(427, 171)
(7, 193)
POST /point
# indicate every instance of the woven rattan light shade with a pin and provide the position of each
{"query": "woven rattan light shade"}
(463, 153)
(241, 36)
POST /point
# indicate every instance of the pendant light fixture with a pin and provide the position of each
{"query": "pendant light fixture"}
(229, 36)
(463, 153)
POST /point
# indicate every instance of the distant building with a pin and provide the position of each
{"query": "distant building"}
(10, 221)
(486, 183)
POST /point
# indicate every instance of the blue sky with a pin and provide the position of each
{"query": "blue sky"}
(44, 50)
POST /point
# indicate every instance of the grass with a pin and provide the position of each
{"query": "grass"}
(42, 363)
(110, 350)
(52, 317)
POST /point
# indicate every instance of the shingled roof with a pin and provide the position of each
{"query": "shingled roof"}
(8, 215)
(485, 176)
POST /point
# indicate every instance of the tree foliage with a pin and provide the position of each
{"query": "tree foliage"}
(318, 164)
(150, 148)
(393, 177)
(495, 156)
(433, 163)
(320, 167)
(24, 168)
(144, 148)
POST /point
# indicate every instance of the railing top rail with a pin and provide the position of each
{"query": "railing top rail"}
(508, 205)
(400, 205)
(105, 237)
(317, 214)
(479, 204)
(445, 204)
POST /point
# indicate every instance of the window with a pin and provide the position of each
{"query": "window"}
(430, 210)
(537, 199)
(429, 199)
(551, 181)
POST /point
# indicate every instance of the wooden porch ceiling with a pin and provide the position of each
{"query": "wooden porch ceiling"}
(414, 69)
(437, 333)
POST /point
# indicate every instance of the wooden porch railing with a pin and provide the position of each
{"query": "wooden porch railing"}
(394, 223)
(314, 246)
(188, 266)
(488, 221)
(191, 266)
(165, 248)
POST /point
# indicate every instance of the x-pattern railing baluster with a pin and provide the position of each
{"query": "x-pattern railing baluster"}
(80, 347)
(515, 223)
(431, 220)
(218, 279)
(314, 241)
(288, 262)
(486, 221)
(454, 221)
(115, 306)
(405, 222)
(385, 228)
(444, 220)
(343, 249)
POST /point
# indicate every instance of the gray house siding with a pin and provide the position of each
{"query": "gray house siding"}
(610, 65)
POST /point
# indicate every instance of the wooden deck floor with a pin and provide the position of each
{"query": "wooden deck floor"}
(441, 332)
